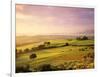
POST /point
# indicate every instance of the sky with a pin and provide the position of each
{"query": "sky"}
(53, 20)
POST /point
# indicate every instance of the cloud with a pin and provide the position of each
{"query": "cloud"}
(48, 20)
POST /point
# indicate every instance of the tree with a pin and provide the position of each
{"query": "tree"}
(20, 51)
(46, 43)
(84, 38)
(16, 53)
(89, 57)
(26, 50)
(32, 56)
(32, 49)
(46, 67)
(41, 46)
(78, 38)
(23, 69)
(66, 44)
(16, 50)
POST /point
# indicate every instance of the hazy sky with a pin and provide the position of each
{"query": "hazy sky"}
(50, 20)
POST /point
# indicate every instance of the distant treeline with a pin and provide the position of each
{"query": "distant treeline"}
(48, 45)
(24, 40)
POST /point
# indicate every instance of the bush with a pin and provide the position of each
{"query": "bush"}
(45, 67)
(82, 38)
(78, 38)
(81, 66)
(32, 49)
(20, 51)
(23, 69)
(82, 49)
(61, 67)
(16, 50)
(91, 65)
(66, 44)
(32, 56)
(89, 57)
(41, 46)
(16, 53)
(46, 43)
(26, 50)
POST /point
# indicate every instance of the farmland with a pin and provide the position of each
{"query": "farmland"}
(53, 54)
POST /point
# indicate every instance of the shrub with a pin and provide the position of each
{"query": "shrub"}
(26, 50)
(61, 67)
(89, 57)
(20, 51)
(66, 44)
(45, 67)
(46, 43)
(32, 56)
(69, 65)
(78, 38)
(41, 46)
(16, 50)
(92, 47)
(16, 53)
(81, 66)
(84, 38)
(32, 49)
(82, 49)
(91, 65)
(23, 69)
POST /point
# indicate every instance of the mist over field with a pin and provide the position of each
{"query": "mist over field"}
(22, 40)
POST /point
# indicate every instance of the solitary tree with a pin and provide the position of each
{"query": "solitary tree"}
(84, 38)
(66, 44)
(32, 56)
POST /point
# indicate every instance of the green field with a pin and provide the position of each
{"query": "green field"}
(78, 54)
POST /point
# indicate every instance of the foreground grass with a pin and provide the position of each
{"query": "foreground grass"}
(61, 57)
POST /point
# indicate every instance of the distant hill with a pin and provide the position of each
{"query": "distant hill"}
(23, 40)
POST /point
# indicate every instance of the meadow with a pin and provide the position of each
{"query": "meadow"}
(53, 54)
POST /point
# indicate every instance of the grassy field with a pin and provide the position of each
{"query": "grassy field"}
(78, 54)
